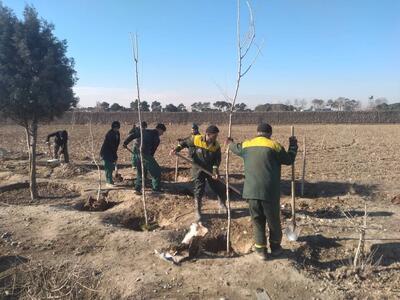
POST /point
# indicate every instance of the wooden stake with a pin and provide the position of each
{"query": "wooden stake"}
(293, 188)
(176, 168)
(303, 175)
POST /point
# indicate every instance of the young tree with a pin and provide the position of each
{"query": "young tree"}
(36, 76)
(156, 106)
(182, 108)
(103, 106)
(222, 105)
(241, 107)
(144, 106)
(170, 108)
(318, 104)
(116, 107)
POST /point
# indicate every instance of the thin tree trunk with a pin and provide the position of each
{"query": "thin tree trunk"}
(94, 159)
(303, 175)
(136, 58)
(176, 169)
(31, 140)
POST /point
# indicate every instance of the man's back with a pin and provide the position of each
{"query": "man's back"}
(262, 165)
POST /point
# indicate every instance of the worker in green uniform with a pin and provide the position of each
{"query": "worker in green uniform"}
(263, 158)
(151, 141)
(206, 153)
(108, 152)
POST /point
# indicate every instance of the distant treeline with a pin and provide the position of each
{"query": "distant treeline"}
(325, 117)
(339, 104)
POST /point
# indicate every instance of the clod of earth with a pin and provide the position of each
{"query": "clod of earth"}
(396, 199)
(91, 204)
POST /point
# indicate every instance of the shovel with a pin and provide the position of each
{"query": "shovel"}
(208, 173)
(291, 233)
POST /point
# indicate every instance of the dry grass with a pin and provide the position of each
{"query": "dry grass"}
(38, 280)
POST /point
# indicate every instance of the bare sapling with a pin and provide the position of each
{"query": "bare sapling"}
(94, 160)
(135, 50)
(243, 48)
(176, 168)
(303, 173)
(360, 251)
(362, 261)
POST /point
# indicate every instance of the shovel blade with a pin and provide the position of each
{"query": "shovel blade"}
(292, 233)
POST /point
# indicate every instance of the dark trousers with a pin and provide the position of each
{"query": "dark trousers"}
(199, 181)
(263, 212)
(63, 151)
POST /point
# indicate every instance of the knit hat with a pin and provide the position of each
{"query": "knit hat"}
(264, 128)
(161, 127)
(115, 124)
(212, 129)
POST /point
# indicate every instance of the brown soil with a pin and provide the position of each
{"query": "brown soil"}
(353, 166)
(48, 193)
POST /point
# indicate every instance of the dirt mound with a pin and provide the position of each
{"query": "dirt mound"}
(69, 170)
(19, 194)
(91, 204)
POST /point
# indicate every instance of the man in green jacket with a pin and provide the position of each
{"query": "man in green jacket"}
(263, 158)
(206, 153)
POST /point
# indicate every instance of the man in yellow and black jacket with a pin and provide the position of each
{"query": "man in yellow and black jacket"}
(263, 158)
(206, 153)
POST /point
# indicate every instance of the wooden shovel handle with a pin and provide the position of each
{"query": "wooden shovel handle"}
(293, 187)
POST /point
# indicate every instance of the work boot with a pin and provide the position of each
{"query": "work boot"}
(262, 253)
(276, 250)
(197, 210)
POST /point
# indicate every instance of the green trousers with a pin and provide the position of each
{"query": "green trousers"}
(150, 165)
(136, 160)
(109, 167)
(263, 212)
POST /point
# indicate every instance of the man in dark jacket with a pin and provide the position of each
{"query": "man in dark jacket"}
(136, 144)
(151, 141)
(60, 144)
(206, 153)
(108, 152)
(263, 158)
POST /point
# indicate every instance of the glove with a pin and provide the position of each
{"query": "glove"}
(293, 143)
(228, 141)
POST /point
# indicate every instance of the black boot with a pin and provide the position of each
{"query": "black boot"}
(197, 210)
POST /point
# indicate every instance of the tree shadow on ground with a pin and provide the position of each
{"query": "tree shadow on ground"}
(312, 250)
(7, 262)
(236, 213)
(337, 213)
(386, 254)
(320, 188)
(329, 189)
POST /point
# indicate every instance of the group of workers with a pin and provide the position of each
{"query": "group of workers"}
(262, 158)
